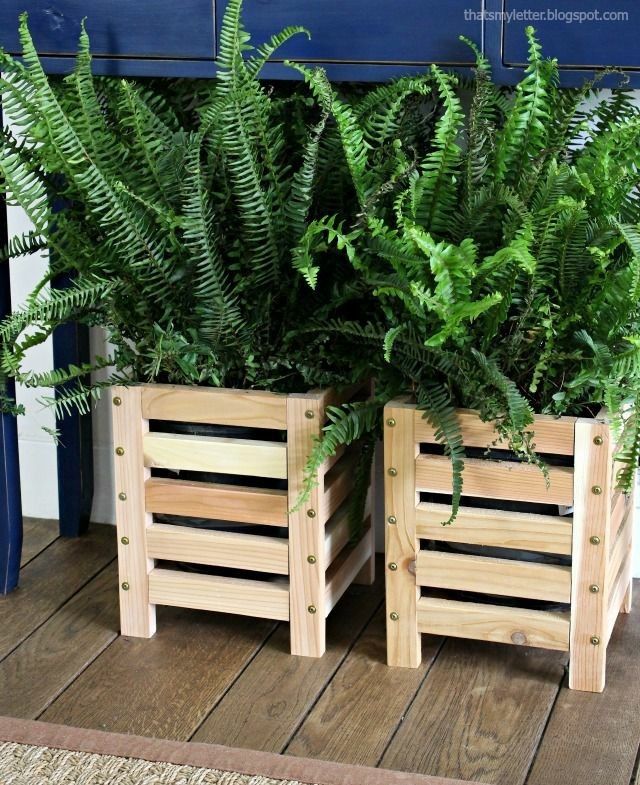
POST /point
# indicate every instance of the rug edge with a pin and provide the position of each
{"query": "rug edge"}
(209, 756)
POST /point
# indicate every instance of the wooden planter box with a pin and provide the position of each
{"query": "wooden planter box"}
(298, 579)
(584, 597)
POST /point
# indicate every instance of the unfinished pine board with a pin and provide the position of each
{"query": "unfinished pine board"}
(551, 434)
(38, 534)
(163, 687)
(218, 502)
(137, 614)
(50, 579)
(262, 599)
(479, 714)
(35, 673)
(307, 561)
(591, 518)
(617, 595)
(267, 704)
(401, 543)
(593, 739)
(619, 509)
(344, 569)
(217, 454)
(248, 408)
(497, 480)
(218, 548)
(338, 483)
(359, 712)
(337, 533)
(500, 624)
(488, 575)
(497, 528)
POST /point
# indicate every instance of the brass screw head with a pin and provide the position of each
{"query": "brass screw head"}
(120, 451)
(117, 401)
(125, 586)
(311, 513)
(309, 414)
(596, 490)
(595, 540)
(122, 496)
(394, 616)
(392, 520)
(598, 441)
(594, 588)
(392, 472)
(393, 566)
(391, 422)
(311, 559)
(124, 540)
(595, 640)
(312, 609)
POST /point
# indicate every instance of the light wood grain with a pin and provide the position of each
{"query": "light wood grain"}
(480, 713)
(35, 673)
(242, 596)
(137, 614)
(553, 435)
(306, 532)
(337, 533)
(343, 570)
(218, 548)
(401, 544)
(496, 528)
(500, 624)
(617, 592)
(248, 408)
(246, 457)
(338, 483)
(497, 480)
(219, 502)
(489, 575)
(619, 507)
(593, 738)
(263, 709)
(166, 686)
(592, 518)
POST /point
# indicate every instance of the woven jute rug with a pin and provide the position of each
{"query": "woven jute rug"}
(38, 753)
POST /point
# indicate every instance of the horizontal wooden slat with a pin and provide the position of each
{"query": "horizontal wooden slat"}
(497, 480)
(497, 528)
(246, 408)
(216, 548)
(338, 483)
(543, 629)
(619, 509)
(261, 599)
(345, 568)
(338, 532)
(249, 458)
(616, 596)
(621, 548)
(487, 575)
(233, 503)
(551, 434)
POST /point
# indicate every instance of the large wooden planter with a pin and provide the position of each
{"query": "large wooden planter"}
(298, 579)
(584, 596)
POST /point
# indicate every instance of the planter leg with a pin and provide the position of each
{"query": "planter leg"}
(590, 584)
(401, 545)
(137, 614)
(307, 564)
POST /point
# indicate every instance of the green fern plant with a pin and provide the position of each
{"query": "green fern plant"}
(503, 257)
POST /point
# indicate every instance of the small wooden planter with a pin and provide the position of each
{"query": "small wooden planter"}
(304, 575)
(585, 598)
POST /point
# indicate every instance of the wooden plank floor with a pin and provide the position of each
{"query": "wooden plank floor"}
(484, 712)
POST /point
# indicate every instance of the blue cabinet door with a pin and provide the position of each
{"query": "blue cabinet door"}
(117, 28)
(584, 37)
(413, 32)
